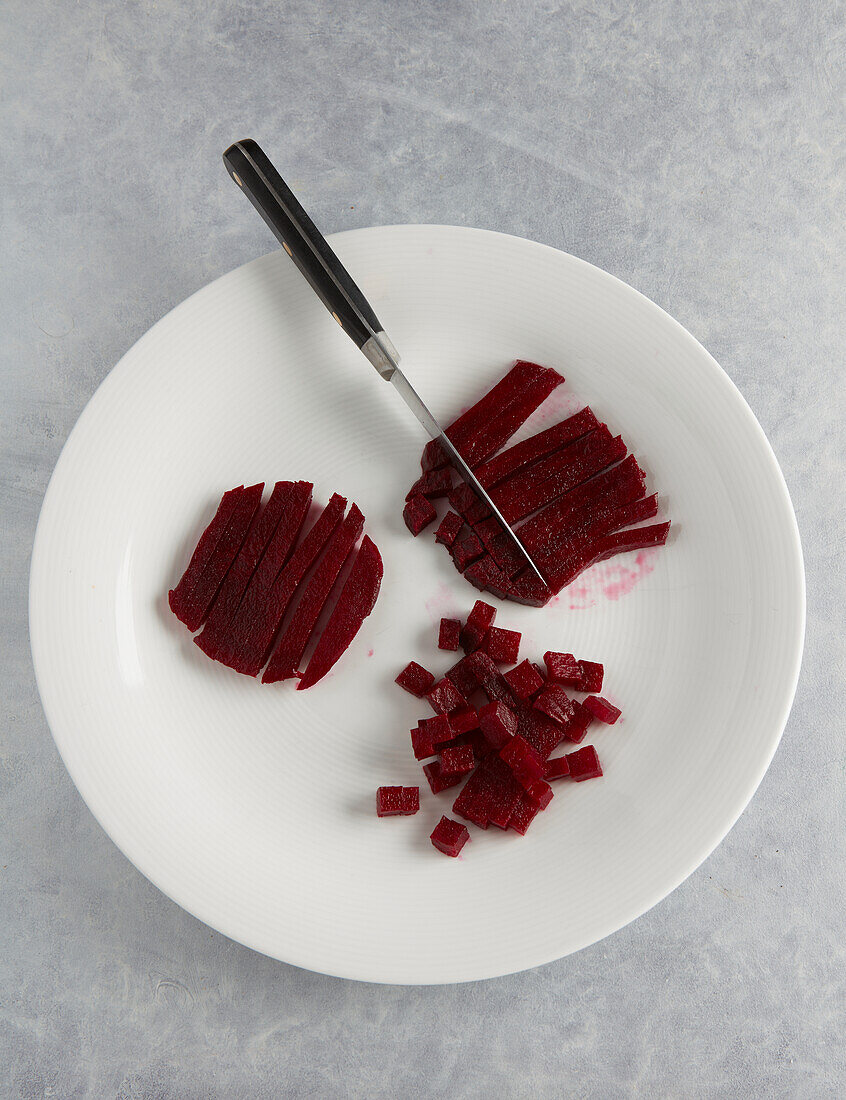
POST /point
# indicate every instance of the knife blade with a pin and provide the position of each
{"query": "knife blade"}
(253, 172)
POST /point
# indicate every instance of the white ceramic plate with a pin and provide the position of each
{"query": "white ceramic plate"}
(252, 806)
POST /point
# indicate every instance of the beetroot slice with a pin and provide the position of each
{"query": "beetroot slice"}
(502, 646)
(601, 709)
(397, 801)
(356, 601)
(539, 446)
(177, 597)
(449, 836)
(415, 679)
(606, 547)
(418, 513)
(596, 520)
(584, 764)
(291, 646)
(449, 633)
(524, 680)
(264, 524)
(439, 780)
(202, 596)
(457, 760)
(558, 768)
(432, 484)
(555, 703)
(486, 426)
(262, 606)
(563, 668)
(448, 529)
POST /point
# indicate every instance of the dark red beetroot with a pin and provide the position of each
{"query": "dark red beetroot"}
(502, 645)
(558, 768)
(291, 646)
(606, 547)
(445, 697)
(489, 795)
(539, 446)
(415, 679)
(463, 721)
(422, 744)
(489, 678)
(465, 550)
(479, 621)
(563, 668)
(592, 675)
(539, 794)
(523, 815)
(555, 703)
(449, 634)
(458, 760)
(439, 780)
(449, 836)
(356, 601)
(463, 676)
(601, 709)
(558, 558)
(276, 580)
(584, 764)
(438, 728)
(397, 801)
(524, 680)
(486, 426)
(448, 529)
(486, 575)
(498, 723)
(177, 597)
(195, 604)
(234, 586)
(525, 764)
(577, 727)
(418, 513)
(432, 484)
(539, 731)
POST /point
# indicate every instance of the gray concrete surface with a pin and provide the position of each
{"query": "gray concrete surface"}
(696, 150)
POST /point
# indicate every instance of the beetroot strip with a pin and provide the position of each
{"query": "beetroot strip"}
(603, 521)
(259, 623)
(202, 595)
(356, 601)
(177, 597)
(606, 546)
(523, 454)
(291, 646)
(228, 599)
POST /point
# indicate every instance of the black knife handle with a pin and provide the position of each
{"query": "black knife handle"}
(253, 172)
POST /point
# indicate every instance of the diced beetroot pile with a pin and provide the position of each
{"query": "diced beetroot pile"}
(572, 492)
(260, 584)
(494, 730)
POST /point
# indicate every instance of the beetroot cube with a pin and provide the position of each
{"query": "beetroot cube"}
(457, 761)
(449, 836)
(479, 621)
(418, 513)
(539, 794)
(524, 680)
(557, 768)
(498, 723)
(463, 675)
(523, 761)
(563, 668)
(438, 728)
(523, 815)
(422, 744)
(555, 703)
(465, 551)
(577, 727)
(434, 483)
(584, 764)
(502, 645)
(448, 529)
(463, 721)
(603, 710)
(416, 679)
(449, 633)
(397, 801)
(438, 780)
(445, 697)
(591, 676)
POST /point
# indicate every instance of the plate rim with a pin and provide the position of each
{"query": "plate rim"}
(798, 592)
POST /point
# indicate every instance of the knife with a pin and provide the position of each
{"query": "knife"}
(253, 172)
